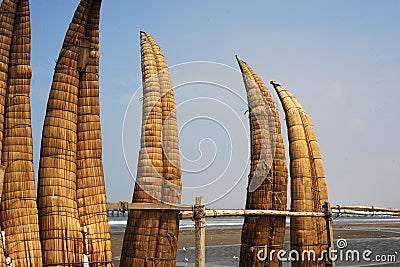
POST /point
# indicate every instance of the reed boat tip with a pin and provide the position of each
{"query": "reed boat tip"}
(274, 83)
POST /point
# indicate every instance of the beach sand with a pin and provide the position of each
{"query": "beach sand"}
(231, 236)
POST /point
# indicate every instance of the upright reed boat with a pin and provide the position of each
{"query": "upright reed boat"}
(19, 214)
(71, 197)
(267, 188)
(151, 237)
(308, 183)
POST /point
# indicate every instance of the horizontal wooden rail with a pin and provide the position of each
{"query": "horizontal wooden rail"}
(187, 211)
(225, 213)
(364, 213)
(147, 206)
(365, 208)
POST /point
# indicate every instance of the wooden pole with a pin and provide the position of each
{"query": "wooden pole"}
(200, 234)
(329, 229)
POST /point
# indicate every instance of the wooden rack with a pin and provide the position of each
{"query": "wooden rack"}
(198, 213)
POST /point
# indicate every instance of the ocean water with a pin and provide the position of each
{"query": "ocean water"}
(119, 223)
(226, 256)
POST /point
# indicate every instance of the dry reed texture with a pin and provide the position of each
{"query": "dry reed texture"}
(268, 174)
(171, 192)
(91, 197)
(308, 184)
(19, 214)
(151, 237)
(318, 175)
(70, 171)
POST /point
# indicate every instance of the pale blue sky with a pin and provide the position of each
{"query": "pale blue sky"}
(341, 59)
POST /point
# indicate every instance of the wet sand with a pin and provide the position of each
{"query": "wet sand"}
(231, 236)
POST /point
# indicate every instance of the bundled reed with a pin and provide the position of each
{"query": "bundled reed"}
(318, 175)
(91, 197)
(268, 174)
(172, 185)
(308, 185)
(141, 234)
(71, 137)
(19, 214)
(151, 237)
(7, 19)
